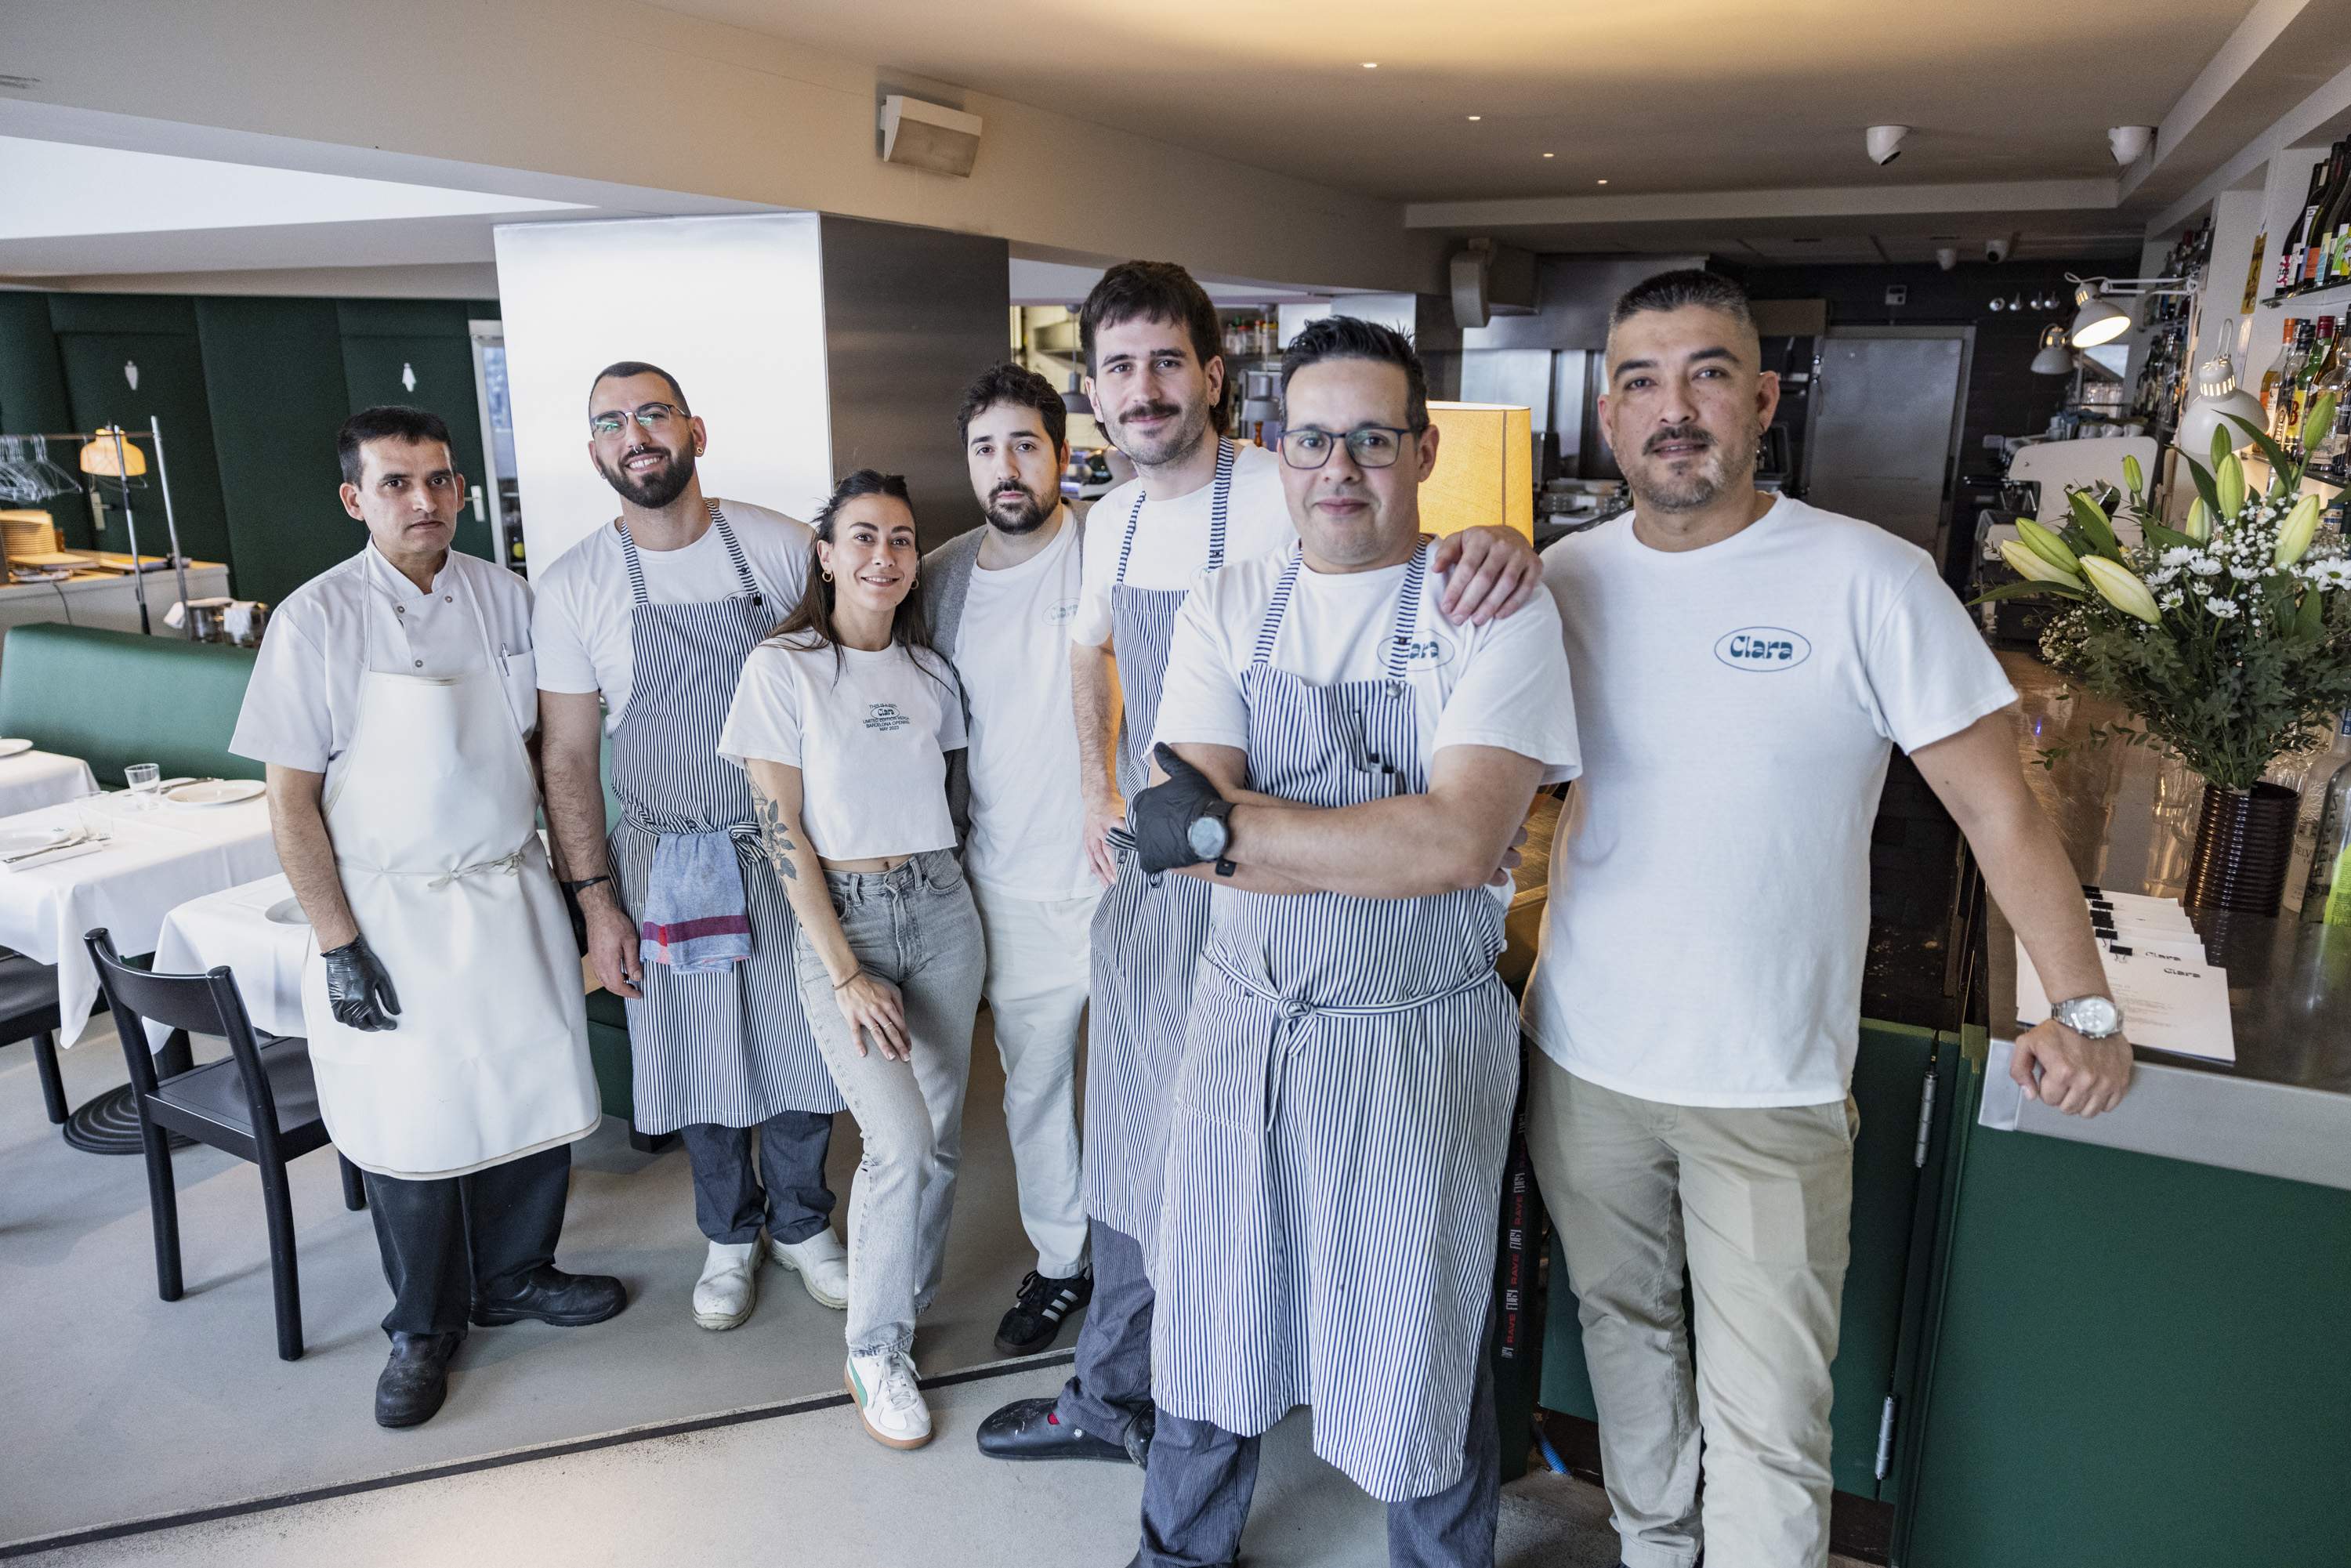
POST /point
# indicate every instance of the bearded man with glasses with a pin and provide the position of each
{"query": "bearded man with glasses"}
(643, 628)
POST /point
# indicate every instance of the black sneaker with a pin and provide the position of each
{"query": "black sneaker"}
(1036, 1318)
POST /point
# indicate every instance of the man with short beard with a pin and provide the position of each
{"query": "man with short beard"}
(1199, 501)
(1001, 599)
(654, 614)
(1742, 664)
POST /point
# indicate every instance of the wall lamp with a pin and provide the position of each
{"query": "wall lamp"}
(2095, 321)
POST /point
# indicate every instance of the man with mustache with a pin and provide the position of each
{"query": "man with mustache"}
(1742, 664)
(654, 615)
(1151, 336)
(1001, 599)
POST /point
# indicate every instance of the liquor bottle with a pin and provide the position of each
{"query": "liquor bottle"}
(2326, 896)
(2314, 368)
(2290, 249)
(2322, 224)
(2254, 272)
(2275, 374)
(2289, 374)
(2328, 447)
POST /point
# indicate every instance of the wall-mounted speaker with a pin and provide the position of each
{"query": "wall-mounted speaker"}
(928, 135)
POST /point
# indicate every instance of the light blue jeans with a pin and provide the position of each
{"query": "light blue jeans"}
(914, 927)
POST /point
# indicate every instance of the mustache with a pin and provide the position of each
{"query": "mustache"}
(1149, 411)
(1677, 432)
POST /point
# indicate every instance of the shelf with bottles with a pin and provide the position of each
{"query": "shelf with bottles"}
(2312, 299)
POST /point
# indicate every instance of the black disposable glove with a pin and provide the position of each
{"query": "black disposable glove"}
(1160, 816)
(358, 988)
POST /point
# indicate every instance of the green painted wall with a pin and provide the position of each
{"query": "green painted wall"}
(250, 391)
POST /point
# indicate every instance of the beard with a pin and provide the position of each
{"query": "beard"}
(1017, 509)
(1659, 486)
(1169, 446)
(655, 487)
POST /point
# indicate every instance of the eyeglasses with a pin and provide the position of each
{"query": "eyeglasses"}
(654, 418)
(1370, 445)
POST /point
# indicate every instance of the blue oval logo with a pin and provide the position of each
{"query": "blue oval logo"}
(1763, 648)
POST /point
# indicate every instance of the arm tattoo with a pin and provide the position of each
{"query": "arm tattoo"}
(775, 836)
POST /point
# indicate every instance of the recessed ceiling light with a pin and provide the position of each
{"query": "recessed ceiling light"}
(1477, 117)
(1371, 65)
(1600, 181)
(1551, 154)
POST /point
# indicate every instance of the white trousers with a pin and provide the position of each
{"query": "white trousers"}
(1036, 991)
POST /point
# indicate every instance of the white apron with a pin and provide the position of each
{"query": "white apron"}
(432, 812)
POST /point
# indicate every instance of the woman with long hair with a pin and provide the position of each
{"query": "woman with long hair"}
(847, 721)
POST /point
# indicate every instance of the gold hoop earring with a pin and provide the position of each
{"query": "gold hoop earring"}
(828, 577)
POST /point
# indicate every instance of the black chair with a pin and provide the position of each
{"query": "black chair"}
(28, 1011)
(258, 1103)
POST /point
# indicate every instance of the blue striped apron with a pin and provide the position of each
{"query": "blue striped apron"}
(1335, 1145)
(1147, 930)
(731, 1047)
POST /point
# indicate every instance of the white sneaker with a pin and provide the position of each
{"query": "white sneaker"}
(889, 1399)
(823, 1264)
(729, 1287)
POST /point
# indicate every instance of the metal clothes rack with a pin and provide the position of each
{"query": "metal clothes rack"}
(153, 435)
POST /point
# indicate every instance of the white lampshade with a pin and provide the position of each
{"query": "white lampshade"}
(2097, 322)
(2218, 396)
(2052, 359)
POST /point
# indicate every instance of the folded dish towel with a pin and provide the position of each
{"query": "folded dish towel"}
(694, 919)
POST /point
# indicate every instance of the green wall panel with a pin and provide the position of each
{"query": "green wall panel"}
(2139, 1361)
(379, 369)
(274, 372)
(171, 387)
(121, 313)
(32, 381)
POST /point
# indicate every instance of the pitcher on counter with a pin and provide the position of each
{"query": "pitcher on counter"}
(393, 704)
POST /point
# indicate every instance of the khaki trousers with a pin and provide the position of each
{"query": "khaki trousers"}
(1756, 1203)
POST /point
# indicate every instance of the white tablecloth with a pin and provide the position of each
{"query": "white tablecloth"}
(31, 779)
(233, 927)
(155, 861)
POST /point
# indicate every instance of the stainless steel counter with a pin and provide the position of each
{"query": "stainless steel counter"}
(2128, 817)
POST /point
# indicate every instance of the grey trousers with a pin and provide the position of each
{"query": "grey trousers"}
(915, 928)
(785, 1194)
(1109, 1387)
(1195, 1495)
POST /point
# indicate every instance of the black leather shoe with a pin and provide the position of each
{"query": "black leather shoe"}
(552, 1296)
(1028, 1429)
(416, 1379)
(1138, 1437)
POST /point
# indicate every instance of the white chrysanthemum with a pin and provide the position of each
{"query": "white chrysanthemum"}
(2177, 556)
(2225, 609)
(2159, 579)
(2171, 601)
(2204, 566)
(2330, 574)
(2244, 573)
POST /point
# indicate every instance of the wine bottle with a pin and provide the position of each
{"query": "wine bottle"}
(2290, 249)
(2318, 241)
(2326, 896)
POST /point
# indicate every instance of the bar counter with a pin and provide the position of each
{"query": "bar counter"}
(2284, 1107)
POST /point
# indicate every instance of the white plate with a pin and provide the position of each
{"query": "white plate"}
(24, 841)
(14, 747)
(215, 792)
(287, 912)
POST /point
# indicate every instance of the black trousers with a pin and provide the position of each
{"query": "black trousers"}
(448, 1240)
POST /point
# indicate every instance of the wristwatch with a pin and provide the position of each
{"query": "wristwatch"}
(2091, 1016)
(1210, 832)
(576, 888)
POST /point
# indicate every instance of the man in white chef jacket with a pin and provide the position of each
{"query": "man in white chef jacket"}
(393, 702)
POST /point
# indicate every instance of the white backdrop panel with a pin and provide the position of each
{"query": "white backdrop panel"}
(733, 307)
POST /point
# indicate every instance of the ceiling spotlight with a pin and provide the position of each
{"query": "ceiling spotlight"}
(2052, 359)
(1884, 143)
(1551, 154)
(1599, 182)
(2129, 143)
(1371, 65)
(1477, 117)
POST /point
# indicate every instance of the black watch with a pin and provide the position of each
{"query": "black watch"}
(1211, 832)
(576, 888)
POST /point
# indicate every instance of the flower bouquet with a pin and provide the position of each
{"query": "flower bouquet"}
(2229, 639)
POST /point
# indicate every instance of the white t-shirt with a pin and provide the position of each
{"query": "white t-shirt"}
(302, 702)
(1502, 684)
(1710, 886)
(582, 620)
(1171, 540)
(1012, 651)
(870, 737)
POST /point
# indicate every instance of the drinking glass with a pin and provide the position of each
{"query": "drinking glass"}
(143, 777)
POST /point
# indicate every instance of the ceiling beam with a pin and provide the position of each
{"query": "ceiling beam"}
(1830, 201)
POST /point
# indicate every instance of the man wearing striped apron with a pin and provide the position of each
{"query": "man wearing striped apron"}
(1350, 776)
(654, 615)
(1150, 337)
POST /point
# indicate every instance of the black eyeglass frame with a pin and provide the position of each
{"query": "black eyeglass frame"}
(1348, 441)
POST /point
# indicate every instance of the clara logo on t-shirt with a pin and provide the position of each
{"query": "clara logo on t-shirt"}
(1061, 611)
(1428, 651)
(886, 717)
(1763, 648)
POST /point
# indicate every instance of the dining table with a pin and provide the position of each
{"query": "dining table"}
(31, 778)
(123, 862)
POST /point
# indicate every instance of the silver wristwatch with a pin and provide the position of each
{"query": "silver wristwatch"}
(2091, 1016)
